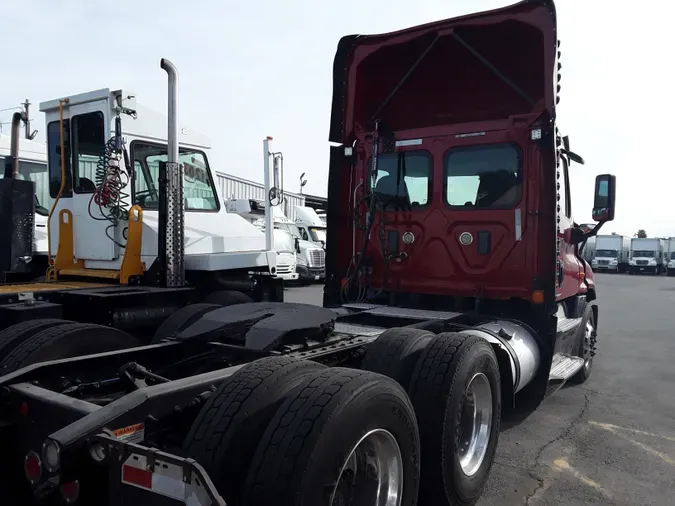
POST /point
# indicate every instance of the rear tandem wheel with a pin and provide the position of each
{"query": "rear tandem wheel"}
(66, 341)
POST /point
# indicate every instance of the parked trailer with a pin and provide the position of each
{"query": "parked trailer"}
(612, 253)
(647, 255)
(587, 249)
(413, 362)
(670, 256)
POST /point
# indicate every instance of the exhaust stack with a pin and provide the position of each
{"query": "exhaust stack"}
(172, 203)
(12, 162)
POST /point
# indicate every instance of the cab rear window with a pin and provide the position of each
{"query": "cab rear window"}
(483, 177)
(404, 177)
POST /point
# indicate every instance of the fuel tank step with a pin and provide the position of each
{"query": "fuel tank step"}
(564, 367)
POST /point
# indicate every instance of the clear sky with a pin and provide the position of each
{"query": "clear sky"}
(251, 69)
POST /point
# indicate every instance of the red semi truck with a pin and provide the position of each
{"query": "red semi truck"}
(455, 301)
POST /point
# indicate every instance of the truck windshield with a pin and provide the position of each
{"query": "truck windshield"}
(643, 253)
(197, 183)
(290, 228)
(485, 177)
(609, 253)
(317, 234)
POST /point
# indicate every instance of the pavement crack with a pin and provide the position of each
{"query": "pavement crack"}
(563, 435)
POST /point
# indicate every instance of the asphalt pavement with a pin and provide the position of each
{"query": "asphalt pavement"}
(612, 440)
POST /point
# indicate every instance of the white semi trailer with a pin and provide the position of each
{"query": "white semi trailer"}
(612, 253)
(670, 256)
(587, 249)
(647, 254)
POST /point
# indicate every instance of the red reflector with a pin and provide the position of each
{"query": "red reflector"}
(136, 476)
(23, 409)
(32, 466)
(70, 491)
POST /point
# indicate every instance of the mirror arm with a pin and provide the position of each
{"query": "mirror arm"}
(579, 237)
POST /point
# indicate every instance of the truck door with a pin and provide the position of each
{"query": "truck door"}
(569, 268)
(86, 132)
(466, 216)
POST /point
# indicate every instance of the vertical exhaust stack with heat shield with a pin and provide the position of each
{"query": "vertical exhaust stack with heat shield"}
(17, 213)
(171, 202)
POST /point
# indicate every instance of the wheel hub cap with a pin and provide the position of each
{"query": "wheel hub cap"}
(475, 424)
(372, 474)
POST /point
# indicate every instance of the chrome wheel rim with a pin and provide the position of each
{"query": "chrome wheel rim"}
(475, 424)
(372, 474)
(588, 334)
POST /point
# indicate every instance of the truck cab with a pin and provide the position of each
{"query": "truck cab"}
(312, 228)
(647, 255)
(310, 256)
(110, 148)
(463, 202)
(611, 253)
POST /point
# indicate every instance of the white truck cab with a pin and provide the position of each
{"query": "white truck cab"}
(312, 230)
(647, 255)
(311, 226)
(283, 242)
(612, 253)
(101, 186)
(311, 255)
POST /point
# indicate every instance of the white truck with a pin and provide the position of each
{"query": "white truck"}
(670, 256)
(312, 230)
(115, 148)
(311, 257)
(587, 249)
(612, 253)
(308, 259)
(647, 254)
(312, 227)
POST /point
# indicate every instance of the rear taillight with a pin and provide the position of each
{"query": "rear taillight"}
(32, 466)
(70, 491)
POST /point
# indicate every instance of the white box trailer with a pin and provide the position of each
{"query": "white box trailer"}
(647, 254)
(670, 256)
(612, 253)
(587, 250)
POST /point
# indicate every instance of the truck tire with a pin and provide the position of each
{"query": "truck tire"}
(65, 341)
(224, 435)
(185, 316)
(227, 298)
(15, 334)
(587, 341)
(325, 431)
(455, 390)
(395, 352)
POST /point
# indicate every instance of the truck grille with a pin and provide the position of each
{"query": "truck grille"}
(642, 262)
(316, 258)
(284, 269)
(603, 262)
